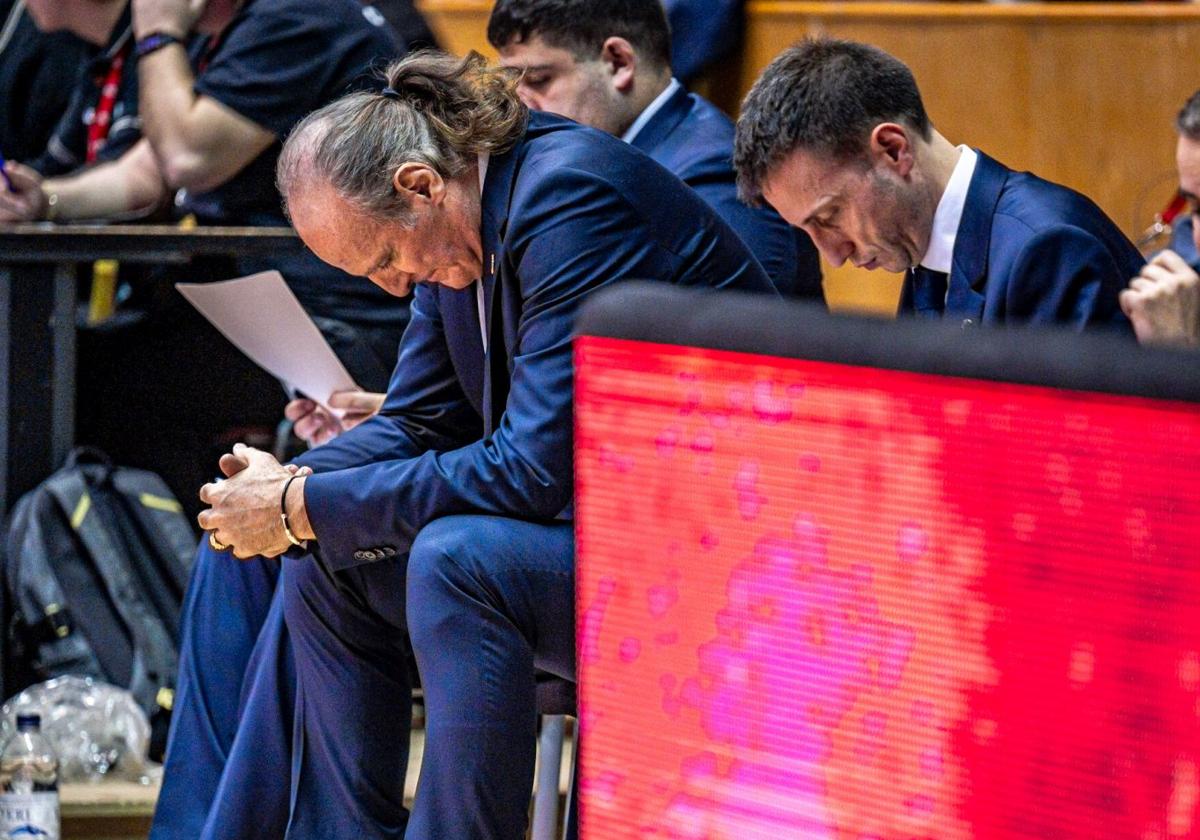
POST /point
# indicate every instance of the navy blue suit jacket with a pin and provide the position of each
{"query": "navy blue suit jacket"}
(567, 211)
(692, 137)
(1182, 242)
(702, 31)
(1032, 252)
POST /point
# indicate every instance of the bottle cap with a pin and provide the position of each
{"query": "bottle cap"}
(28, 721)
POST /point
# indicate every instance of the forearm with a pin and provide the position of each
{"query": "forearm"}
(130, 185)
(167, 102)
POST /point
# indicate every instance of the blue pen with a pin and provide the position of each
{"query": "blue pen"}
(4, 174)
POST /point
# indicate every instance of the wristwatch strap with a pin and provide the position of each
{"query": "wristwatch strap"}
(154, 41)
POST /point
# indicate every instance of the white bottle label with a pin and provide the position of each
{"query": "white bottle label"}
(29, 816)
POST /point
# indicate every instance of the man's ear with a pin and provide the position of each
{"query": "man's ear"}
(622, 61)
(891, 146)
(418, 181)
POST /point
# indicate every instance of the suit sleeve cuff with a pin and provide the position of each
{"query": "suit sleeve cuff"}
(338, 524)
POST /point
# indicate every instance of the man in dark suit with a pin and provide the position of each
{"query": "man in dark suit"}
(1163, 301)
(444, 521)
(608, 65)
(1185, 239)
(834, 136)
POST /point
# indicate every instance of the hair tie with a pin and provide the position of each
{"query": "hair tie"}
(390, 92)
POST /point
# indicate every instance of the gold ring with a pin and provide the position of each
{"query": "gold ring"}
(216, 544)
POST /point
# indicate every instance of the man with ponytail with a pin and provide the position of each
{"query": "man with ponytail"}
(443, 524)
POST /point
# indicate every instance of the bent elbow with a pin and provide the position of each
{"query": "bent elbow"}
(187, 171)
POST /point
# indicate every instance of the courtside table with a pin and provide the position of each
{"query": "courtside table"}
(37, 324)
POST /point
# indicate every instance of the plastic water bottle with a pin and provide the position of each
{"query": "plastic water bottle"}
(28, 784)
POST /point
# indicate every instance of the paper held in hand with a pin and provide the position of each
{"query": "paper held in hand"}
(263, 319)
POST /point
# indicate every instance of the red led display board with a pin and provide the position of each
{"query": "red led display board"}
(822, 600)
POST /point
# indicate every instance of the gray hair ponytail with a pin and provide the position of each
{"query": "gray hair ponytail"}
(437, 110)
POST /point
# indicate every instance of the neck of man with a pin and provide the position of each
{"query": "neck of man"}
(941, 156)
(97, 22)
(648, 83)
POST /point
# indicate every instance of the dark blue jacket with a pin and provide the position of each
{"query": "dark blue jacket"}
(692, 137)
(1183, 244)
(1032, 252)
(702, 31)
(567, 211)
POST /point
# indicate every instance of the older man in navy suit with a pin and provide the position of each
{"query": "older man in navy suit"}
(444, 521)
(608, 65)
(835, 137)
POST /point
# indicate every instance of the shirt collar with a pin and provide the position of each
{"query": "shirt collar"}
(948, 215)
(653, 108)
(484, 158)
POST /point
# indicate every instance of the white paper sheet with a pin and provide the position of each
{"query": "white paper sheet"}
(263, 319)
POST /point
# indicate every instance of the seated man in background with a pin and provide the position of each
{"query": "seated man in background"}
(37, 72)
(213, 121)
(445, 520)
(1185, 238)
(608, 65)
(1163, 301)
(97, 126)
(834, 136)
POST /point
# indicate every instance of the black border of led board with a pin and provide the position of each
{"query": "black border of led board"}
(1104, 360)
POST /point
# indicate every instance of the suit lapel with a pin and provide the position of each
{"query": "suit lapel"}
(497, 195)
(460, 308)
(968, 272)
(660, 126)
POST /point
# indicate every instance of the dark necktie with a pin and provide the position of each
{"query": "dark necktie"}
(929, 292)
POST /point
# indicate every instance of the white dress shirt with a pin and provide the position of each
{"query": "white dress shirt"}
(653, 108)
(479, 296)
(948, 215)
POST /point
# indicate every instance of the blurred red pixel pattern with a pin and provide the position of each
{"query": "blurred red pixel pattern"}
(823, 601)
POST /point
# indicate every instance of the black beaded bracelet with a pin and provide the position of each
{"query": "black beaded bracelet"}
(153, 42)
(287, 528)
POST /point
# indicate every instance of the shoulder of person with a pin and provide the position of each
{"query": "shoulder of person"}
(288, 16)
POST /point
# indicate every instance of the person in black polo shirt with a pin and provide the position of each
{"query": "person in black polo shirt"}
(100, 122)
(37, 72)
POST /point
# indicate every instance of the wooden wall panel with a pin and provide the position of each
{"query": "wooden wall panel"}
(460, 25)
(1081, 93)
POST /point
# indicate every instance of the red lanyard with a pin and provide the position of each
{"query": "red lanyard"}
(101, 123)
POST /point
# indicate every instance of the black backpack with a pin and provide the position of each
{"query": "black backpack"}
(95, 567)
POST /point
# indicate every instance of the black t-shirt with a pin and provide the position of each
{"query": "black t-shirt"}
(276, 62)
(67, 149)
(38, 72)
(409, 24)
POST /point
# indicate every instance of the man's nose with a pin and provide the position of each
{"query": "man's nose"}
(834, 248)
(529, 98)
